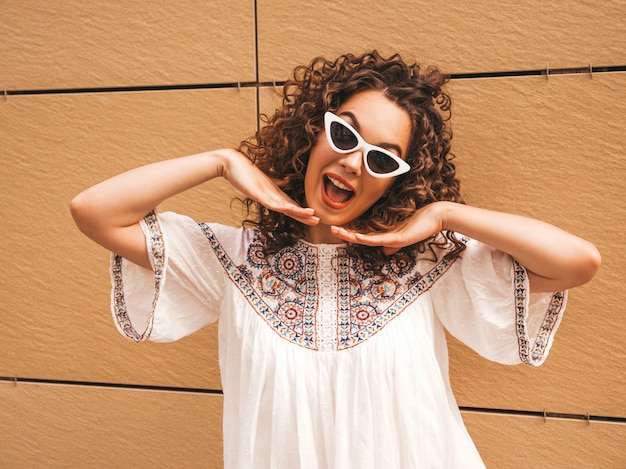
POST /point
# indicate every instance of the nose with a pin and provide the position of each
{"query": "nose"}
(353, 161)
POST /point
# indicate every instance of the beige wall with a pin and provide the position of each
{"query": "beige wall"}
(550, 147)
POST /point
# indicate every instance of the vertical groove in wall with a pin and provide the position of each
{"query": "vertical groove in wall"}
(256, 61)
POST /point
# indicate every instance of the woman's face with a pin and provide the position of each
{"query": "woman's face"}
(337, 185)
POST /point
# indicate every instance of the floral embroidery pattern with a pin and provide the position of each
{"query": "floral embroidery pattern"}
(533, 353)
(318, 297)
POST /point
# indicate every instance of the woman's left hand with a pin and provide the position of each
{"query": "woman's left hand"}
(423, 224)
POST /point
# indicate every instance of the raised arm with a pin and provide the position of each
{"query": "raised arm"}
(109, 212)
(555, 259)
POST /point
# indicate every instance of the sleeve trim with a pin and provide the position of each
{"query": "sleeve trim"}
(534, 352)
(156, 247)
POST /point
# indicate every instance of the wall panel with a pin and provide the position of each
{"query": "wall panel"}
(72, 426)
(77, 44)
(459, 36)
(103, 427)
(56, 322)
(552, 149)
(514, 442)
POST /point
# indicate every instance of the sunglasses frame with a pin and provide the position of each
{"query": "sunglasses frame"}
(330, 118)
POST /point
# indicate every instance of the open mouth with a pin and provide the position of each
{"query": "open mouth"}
(336, 192)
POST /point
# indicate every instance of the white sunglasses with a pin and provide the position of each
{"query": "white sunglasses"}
(343, 138)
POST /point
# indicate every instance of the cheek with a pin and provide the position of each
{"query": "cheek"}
(378, 187)
(320, 153)
(315, 164)
(310, 179)
(308, 183)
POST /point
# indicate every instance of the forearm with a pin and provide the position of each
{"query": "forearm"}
(109, 212)
(125, 199)
(555, 259)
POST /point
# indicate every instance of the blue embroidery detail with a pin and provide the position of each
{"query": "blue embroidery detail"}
(533, 353)
(283, 289)
(119, 303)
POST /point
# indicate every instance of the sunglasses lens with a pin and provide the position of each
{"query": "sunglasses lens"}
(381, 163)
(342, 137)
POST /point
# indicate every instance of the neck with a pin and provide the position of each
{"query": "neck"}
(320, 234)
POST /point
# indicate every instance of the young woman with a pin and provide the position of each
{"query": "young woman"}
(332, 300)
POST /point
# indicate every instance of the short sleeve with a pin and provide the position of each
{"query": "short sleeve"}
(484, 300)
(180, 295)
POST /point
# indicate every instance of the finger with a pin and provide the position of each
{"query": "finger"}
(303, 215)
(288, 207)
(307, 221)
(390, 242)
(275, 199)
(375, 239)
(344, 234)
(389, 251)
(282, 182)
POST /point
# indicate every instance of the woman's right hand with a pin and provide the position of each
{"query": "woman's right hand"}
(252, 182)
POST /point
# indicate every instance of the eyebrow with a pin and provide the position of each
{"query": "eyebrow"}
(385, 145)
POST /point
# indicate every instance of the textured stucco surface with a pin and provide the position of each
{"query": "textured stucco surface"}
(551, 148)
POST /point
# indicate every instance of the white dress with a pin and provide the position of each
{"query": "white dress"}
(322, 366)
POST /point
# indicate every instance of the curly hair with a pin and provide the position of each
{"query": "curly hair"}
(281, 148)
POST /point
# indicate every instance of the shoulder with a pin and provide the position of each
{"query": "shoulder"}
(178, 228)
(230, 234)
(233, 242)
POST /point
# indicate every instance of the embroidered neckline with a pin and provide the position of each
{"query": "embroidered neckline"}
(316, 296)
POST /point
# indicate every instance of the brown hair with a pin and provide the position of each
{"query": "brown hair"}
(281, 148)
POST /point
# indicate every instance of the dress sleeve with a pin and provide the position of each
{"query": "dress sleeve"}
(180, 295)
(484, 300)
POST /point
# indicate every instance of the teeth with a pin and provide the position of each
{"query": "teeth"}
(338, 184)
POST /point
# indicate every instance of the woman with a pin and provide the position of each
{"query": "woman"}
(333, 299)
